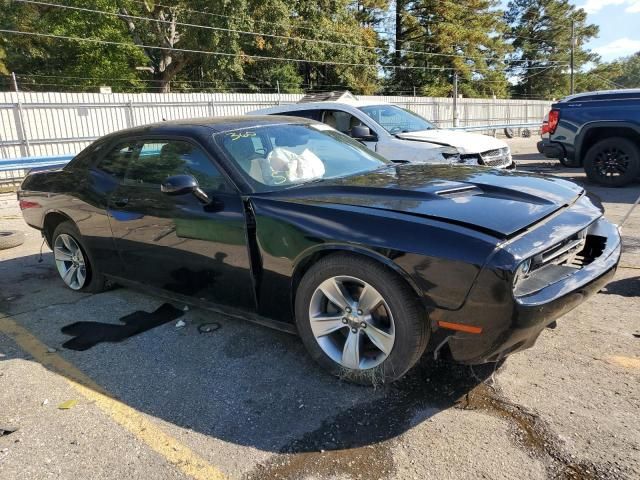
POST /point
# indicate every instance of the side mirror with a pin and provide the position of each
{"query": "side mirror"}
(360, 132)
(181, 184)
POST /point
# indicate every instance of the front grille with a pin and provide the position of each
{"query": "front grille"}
(500, 157)
(576, 251)
(560, 262)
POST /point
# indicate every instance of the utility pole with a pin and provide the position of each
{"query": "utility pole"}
(455, 98)
(278, 88)
(573, 48)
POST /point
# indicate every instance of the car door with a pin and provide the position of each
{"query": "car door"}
(178, 242)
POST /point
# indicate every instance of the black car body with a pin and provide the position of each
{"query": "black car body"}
(493, 257)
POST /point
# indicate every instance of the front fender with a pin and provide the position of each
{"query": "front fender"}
(302, 262)
(440, 261)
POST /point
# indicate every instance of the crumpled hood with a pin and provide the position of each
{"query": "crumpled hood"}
(495, 202)
(464, 142)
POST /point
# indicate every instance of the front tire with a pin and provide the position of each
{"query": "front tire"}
(359, 320)
(73, 260)
(613, 162)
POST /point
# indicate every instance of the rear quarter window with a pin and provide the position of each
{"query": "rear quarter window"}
(86, 157)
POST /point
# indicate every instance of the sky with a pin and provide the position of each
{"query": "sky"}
(619, 22)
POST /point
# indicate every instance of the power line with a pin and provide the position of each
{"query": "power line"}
(222, 54)
(110, 79)
(261, 34)
(249, 81)
(315, 29)
(538, 73)
(606, 80)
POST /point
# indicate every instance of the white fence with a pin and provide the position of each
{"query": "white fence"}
(43, 124)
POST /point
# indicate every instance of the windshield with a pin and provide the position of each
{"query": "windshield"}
(280, 156)
(397, 120)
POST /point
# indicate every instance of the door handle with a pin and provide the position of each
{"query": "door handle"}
(121, 202)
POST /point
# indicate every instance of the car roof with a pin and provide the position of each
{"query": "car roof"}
(212, 124)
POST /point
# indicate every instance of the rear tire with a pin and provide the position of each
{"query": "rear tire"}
(74, 262)
(613, 162)
(388, 325)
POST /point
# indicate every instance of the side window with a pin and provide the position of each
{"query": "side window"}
(341, 121)
(159, 159)
(115, 162)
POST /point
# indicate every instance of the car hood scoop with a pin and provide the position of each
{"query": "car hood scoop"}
(493, 201)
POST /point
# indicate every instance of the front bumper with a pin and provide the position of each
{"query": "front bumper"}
(515, 323)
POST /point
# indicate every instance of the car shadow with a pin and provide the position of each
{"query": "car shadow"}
(239, 383)
(625, 287)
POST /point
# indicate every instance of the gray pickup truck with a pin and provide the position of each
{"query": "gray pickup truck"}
(599, 131)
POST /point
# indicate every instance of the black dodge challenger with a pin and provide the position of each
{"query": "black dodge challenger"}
(288, 223)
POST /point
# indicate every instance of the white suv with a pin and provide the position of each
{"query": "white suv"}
(396, 133)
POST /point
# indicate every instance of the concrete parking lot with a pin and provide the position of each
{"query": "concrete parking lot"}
(222, 398)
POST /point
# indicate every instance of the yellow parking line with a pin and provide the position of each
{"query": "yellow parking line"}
(145, 430)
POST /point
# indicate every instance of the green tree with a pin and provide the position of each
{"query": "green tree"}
(630, 76)
(541, 35)
(620, 73)
(3, 58)
(601, 77)
(331, 29)
(210, 27)
(370, 13)
(464, 37)
(53, 64)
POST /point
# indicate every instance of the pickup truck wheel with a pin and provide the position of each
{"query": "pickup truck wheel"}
(359, 320)
(613, 162)
(73, 261)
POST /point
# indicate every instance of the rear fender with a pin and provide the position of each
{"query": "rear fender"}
(588, 128)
